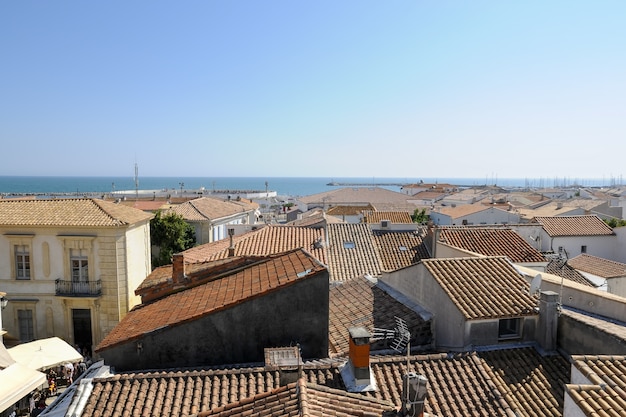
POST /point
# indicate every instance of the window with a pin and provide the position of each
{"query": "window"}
(348, 245)
(509, 328)
(583, 249)
(80, 268)
(22, 262)
(25, 323)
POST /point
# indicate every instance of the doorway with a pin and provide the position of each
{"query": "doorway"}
(81, 320)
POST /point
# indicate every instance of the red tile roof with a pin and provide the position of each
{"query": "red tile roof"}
(606, 392)
(562, 269)
(302, 399)
(491, 242)
(207, 208)
(600, 267)
(393, 216)
(574, 226)
(267, 240)
(483, 288)
(351, 252)
(363, 303)
(487, 384)
(77, 212)
(397, 250)
(264, 277)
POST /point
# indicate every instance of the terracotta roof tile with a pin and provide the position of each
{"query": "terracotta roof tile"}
(532, 384)
(483, 287)
(351, 252)
(392, 216)
(491, 242)
(459, 385)
(348, 210)
(606, 392)
(76, 212)
(207, 208)
(266, 276)
(462, 210)
(562, 269)
(601, 267)
(267, 240)
(361, 302)
(399, 249)
(574, 226)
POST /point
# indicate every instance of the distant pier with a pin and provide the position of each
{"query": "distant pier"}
(365, 184)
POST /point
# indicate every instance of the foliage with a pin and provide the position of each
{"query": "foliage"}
(171, 234)
(420, 216)
(615, 222)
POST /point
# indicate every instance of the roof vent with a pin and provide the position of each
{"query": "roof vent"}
(385, 224)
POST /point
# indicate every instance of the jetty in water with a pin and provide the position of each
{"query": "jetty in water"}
(365, 184)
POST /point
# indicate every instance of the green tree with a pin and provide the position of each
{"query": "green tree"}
(420, 216)
(613, 222)
(170, 233)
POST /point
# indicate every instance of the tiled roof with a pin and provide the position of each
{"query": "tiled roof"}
(462, 210)
(574, 226)
(429, 195)
(356, 195)
(264, 277)
(79, 212)
(302, 399)
(393, 216)
(351, 252)
(532, 384)
(491, 242)
(399, 249)
(600, 267)
(483, 288)
(605, 395)
(360, 302)
(458, 386)
(206, 208)
(267, 240)
(347, 210)
(562, 269)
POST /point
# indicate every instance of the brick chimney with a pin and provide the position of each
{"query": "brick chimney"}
(178, 268)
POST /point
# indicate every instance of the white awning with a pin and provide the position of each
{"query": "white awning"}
(16, 382)
(44, 353)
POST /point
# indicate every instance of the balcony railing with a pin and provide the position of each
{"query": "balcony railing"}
(78, 289)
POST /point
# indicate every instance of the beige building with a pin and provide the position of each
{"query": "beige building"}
(69, 267)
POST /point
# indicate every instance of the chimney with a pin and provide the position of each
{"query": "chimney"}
(231, 248)
(360, 355)
(414, 394)
(178, 268)
(548, 320)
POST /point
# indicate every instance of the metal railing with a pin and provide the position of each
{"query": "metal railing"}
(78, 289)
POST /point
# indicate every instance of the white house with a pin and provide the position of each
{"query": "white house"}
(472, 214)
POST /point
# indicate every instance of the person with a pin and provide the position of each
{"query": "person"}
(69, 372)
(41, 405)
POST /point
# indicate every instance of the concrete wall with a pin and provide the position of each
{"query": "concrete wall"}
(578, 338)
(416, 283)
(294, 314)
(601, 246)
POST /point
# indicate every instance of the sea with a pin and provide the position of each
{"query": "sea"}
(290, 186)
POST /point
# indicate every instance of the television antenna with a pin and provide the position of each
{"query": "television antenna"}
(400, 335)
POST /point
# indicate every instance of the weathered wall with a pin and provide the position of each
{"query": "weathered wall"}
(578, 338)
(294, 314)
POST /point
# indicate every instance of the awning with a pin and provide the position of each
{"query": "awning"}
(44, 353)
(16, 382)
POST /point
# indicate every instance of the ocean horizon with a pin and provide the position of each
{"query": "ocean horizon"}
(293, 186)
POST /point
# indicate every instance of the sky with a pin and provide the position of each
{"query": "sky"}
(463, 89)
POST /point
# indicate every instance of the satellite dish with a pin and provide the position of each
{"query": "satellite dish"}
(535, 285)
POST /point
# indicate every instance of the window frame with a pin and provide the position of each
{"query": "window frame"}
(506, 331)
(26, 242)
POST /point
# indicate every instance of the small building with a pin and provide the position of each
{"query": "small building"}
(474, 301)
(70, 266)
(472, 214)
(224, 312)
(210, 217)
(605, 274)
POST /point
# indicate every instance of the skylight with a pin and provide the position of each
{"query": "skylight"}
(348, 245)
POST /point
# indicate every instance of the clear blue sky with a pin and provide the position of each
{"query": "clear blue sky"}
(522, 89)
